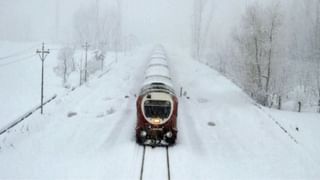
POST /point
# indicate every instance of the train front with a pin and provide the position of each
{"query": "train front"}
(157, 103)
(157, 114)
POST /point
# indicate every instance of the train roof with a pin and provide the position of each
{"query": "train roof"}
(158, 79)
(157, 87)
(158, 55)
(157, 74)
(157, 70)
(158, 61)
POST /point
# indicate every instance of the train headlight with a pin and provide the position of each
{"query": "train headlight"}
(156, 120)
(169, 134)
(143, 133)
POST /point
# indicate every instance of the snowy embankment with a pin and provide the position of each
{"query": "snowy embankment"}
(304, 127)
(245, 142)
(89, 133)
(20, 78)
(85, 134)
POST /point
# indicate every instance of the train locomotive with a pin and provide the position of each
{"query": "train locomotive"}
(157, 104)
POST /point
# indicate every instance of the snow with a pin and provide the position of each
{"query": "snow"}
(244, 144)
(89, 133)
(158, 55)
(157, 71)
(304, 127)
(158, 61)
(160, 79)
(155, 166)
(21, 81)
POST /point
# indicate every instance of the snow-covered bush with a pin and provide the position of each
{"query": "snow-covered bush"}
(66, 64)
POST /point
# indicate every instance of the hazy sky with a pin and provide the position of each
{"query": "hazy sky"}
(147, 19)
(159, 20)
(150, 20)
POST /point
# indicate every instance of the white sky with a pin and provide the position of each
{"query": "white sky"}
(151, 21)
(159, 20)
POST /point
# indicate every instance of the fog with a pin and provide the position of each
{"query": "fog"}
(45, 19)
(159, 20)
(151, 21)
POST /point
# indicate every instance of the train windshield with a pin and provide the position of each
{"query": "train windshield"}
(157, 109)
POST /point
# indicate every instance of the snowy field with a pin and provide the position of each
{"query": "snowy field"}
(20, 79)
(89, 133)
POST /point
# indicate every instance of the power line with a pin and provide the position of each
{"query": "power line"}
(18, 60)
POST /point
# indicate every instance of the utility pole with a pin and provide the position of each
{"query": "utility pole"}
(102, 62)
(86, 46)
(42, 54)
(81, 71)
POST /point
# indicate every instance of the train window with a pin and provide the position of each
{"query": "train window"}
(157, 109)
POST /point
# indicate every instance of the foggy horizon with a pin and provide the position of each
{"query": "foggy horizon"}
(154, 21)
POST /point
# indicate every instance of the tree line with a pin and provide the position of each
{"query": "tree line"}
(273, 52)
(99, 25)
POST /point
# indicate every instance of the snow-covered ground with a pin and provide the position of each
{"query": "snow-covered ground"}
(244, 144)
(20, 76)
(20, 79)
(89, 133)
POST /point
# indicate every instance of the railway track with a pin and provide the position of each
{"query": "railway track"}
(155, 163)
(25, 116)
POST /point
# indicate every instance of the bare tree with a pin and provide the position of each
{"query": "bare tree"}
(100, 24)
(307, 50)
(250, 42)
(272, 27)
(256, 41)
(198, 11)
(66, 63)
(99, 55)
(316, 47)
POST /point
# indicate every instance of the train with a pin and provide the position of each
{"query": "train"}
(157, 103)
